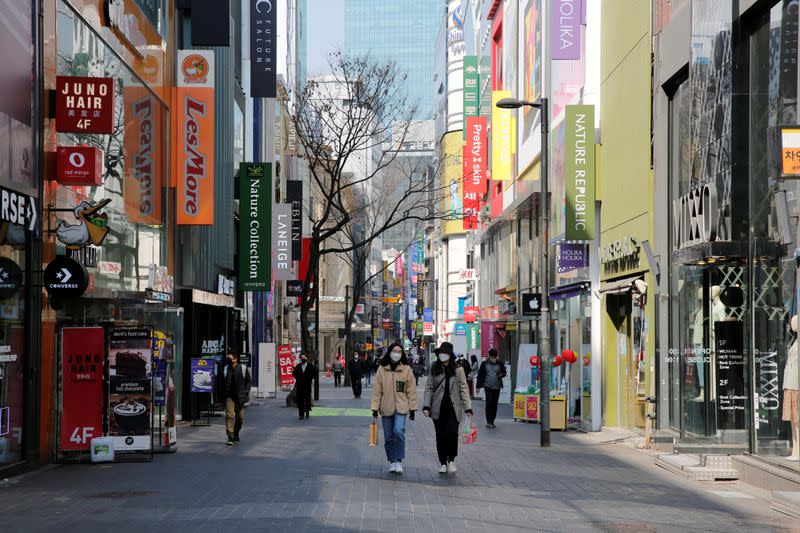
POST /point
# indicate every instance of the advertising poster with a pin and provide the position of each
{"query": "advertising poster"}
(82, 359)
(286, 365)
(202, 371)
(160, 383)
(130, 351)
(144, 159)
(731, 362)
(195, 137)
(526, 374)
(255, 201)
(129, 413)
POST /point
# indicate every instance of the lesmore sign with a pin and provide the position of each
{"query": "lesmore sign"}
(696, 216)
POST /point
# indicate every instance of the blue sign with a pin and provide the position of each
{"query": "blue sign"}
(427, 315)
(461, 329)
(203, 374)
(160, 393)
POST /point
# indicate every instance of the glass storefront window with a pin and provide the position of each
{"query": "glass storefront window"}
(12, 366)
(572, 381)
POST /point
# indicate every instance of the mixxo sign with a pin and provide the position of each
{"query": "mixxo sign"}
(696, 216)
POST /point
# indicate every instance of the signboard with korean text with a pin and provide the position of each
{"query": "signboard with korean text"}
(502, 138)
(255, 204)
(82, 364)
(471, 88)
(474, 169)
(580, 172)
(790, 152)
(84, 104)
(195, 137)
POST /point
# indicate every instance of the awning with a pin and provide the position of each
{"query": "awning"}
(568, 291)
(618, 286)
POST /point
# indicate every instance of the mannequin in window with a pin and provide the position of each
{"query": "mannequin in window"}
(791, 409)
(717, 315)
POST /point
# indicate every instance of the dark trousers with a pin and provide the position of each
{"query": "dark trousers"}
(492, 397)
(304, 400)
(446, 443)
(356, 383)
(337, 378)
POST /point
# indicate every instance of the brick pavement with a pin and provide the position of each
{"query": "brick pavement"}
(320, 475)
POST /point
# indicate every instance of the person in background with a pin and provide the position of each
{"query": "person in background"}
(336, 366)
(474, 367)
(446, 401)
(354, 369)
(304, 375)
(490, 379)
(463, 363)
(416, 366)
(366, 367)
(394, 397)
(237, 393)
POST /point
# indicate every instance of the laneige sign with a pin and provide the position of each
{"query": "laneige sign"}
(696, 216)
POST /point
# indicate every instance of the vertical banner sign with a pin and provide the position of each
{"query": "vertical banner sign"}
(281, 242)
(130, 395)
(471, 88)
(294, 196)
(195, 136)
(266, 370)
(730, 361)
(502, 131)
(144, 160)
(286, 365)
(263, 48)
(474, 163)
(580, 172)
(565, 29)
(82, 361)
(255, 203)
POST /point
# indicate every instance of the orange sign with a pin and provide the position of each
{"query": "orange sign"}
(790, 151)
(195, 137)
(143, 156)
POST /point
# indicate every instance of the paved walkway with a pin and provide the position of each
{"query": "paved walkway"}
(320, 475)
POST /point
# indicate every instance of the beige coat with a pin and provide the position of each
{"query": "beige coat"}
(459, 393)
(394, 391)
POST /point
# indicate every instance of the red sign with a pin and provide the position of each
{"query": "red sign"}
(84, 105)
(286, 365)
(474, 166)
(82, 360)
(471, 314)
(143, 156)
(79, 165)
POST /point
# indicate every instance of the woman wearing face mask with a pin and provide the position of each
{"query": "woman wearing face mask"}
(446, 401)
(394, 396)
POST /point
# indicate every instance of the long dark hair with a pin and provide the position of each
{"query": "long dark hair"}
(386, 360)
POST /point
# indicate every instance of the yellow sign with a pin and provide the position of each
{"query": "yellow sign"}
(790, 151)
(452, 182)
(502, 138)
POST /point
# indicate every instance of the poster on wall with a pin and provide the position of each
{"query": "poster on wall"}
(202, 374)
(195, 137)
(255, 201)
(730, 375)
(130, 398)
(82, 362)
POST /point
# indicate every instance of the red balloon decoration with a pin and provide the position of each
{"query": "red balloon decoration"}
(569, 356)
(557, 360)
(534, 360)
(586, 361)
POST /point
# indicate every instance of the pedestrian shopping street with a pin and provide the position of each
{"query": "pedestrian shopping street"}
(321, 475)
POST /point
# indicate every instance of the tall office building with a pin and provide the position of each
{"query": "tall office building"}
(403, 31)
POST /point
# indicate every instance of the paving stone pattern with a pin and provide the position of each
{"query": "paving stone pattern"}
(320, 475)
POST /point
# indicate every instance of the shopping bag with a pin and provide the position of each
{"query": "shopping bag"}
(470, 432)
(373, 432)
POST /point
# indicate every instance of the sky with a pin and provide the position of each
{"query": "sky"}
(325, 32)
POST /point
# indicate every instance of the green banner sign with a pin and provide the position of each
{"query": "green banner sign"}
(580, 172)
(255, 226)
(471, 89)
(473, 337)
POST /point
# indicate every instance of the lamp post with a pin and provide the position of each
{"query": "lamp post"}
(544, 211)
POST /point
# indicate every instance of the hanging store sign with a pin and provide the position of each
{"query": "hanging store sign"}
(572, 256)
(294, 287)
(474, 169)
(143, 168)
(91, 226)
(471, 88)
(195, 151)
(502, 138)
(532, 304)
(696, 216)
(263, 48)
(471, 313)
(255, 204)
(294, 196)
(65, 277)
(281, 239)
(84, 105)
(10, 278)
(82, 364)
(467, 274)
(20, 209)
(790, 152)
(79, 165)
(565, 27)
(580, 172)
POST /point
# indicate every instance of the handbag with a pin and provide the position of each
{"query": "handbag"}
(373, 432)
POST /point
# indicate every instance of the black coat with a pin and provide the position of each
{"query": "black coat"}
(242, 381)
(304, 380)
(482, 373)
(354, 368)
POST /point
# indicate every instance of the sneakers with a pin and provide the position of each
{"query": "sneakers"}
(443, 469)
(230, 441)
(490, 426)
(393, 467)
(236, 439)
(399, 468)
(451, 468)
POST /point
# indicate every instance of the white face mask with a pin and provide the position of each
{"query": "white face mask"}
(395, 356)
(443, 357)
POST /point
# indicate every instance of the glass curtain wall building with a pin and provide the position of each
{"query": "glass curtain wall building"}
(403, 31)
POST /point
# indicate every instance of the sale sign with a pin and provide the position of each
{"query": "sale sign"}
(143, 156)
(286, 365)
(82, 361)
(84, 104)
(474, 166)
(195, 137)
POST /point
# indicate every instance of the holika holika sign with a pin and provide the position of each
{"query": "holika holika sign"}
(255, 230)
(580, 172)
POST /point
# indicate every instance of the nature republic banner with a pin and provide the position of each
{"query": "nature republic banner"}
(580, 172)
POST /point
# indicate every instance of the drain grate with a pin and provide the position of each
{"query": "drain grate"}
(121, 495)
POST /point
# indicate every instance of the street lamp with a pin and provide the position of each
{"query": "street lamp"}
(544, 212)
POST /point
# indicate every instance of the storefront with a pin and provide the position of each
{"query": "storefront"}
(730, 364)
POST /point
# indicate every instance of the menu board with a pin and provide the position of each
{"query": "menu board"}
(730, 365)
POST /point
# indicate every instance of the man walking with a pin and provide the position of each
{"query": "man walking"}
(237, 382)
(354, 369)
(304, 375)
(490, 378)
(366, 368)
(336, 366)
